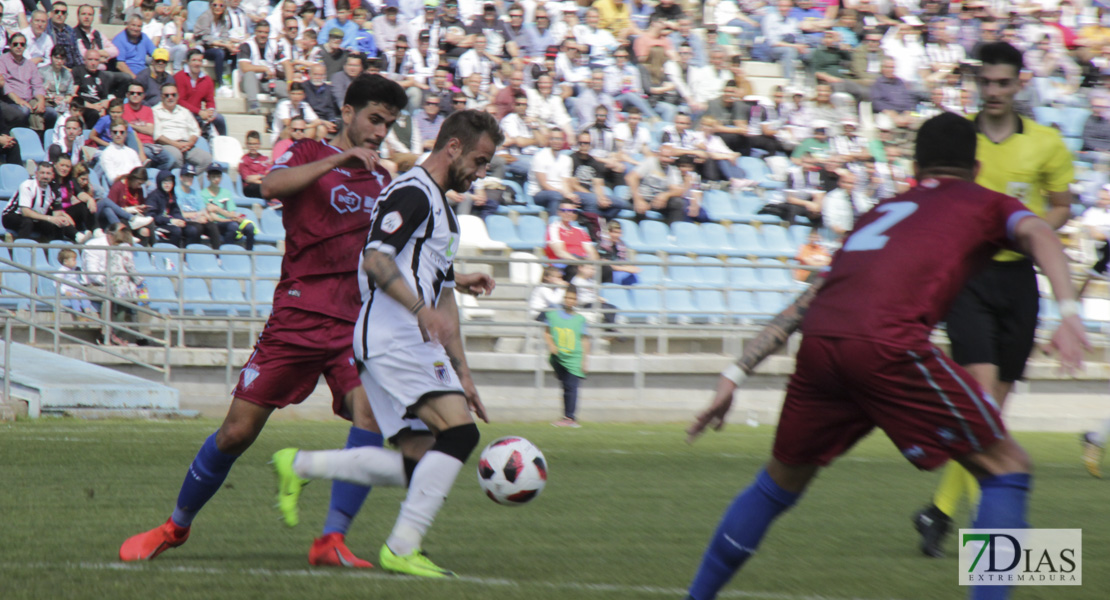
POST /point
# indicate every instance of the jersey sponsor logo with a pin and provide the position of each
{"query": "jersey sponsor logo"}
(392, 222)
(250, 373)
(344, 200)
(442, 374)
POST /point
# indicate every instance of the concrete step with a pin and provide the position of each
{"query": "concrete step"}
(764, 86)
(238, 125)
(51, 383)
(762, 69)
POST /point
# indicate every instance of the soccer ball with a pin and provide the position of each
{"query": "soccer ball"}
(512, 471)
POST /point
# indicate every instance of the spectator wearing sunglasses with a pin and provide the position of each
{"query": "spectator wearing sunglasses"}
(24, 94)
(117, 159)
(65, 39)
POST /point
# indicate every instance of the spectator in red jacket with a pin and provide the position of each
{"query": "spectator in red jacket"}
(198, 93)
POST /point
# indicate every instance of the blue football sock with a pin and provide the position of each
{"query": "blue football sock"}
(739, 534)
(347, 498)
(1001, 506)
(205, 476)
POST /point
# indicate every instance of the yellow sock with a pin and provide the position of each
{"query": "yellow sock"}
(953, 484)
(971, 484)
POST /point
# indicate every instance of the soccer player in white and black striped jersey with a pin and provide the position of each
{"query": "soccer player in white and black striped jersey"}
(407, 340)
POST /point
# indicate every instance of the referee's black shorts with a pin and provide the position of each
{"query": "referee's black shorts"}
(994, 318)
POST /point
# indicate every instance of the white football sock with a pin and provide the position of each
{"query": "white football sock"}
(431, 481)
(365, 465)
(1104, 434)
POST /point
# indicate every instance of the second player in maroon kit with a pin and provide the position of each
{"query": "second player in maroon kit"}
(865, 359)
(328, 192)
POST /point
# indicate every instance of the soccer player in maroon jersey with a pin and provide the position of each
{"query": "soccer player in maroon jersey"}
(328, 191)
(865, 358)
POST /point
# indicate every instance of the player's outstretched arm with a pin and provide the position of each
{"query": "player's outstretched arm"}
(284, 183)
(457, 354)
(382, 270)
(1036, 237)
(474, 284)
(770, 338)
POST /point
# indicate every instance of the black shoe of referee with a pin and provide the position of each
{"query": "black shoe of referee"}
(933, 525)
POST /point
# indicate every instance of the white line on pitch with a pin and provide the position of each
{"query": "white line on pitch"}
(486, 581)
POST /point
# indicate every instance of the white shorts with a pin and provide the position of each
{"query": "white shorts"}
(394, 382)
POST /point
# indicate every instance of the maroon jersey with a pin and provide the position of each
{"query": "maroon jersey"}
(908, 258)
(326, 225)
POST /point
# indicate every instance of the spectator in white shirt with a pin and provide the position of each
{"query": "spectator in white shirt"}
(633, 138)
(296, 106)
(549, 178)
(548, 108)
(176, 130)
(117, 159)
(39, 42)
(523, 137)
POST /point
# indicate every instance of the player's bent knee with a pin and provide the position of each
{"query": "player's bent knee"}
(1001, 458)
(459, 441)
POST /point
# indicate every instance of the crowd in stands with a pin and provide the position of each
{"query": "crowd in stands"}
(628, 109)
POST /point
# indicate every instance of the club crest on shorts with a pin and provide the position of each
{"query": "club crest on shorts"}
(442, 374)
(249, 375)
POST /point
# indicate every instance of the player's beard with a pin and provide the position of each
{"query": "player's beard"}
(457, 178)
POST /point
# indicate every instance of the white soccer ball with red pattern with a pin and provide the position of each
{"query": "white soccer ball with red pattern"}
(512, 471)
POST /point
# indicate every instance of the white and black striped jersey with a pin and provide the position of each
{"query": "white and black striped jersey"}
(413, 223)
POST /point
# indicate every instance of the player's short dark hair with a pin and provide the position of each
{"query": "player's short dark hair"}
(265, 24)
(169, 84)
(253, 135)
(632, 110)
(296, 86)
(1001, 53)
(468, 126)
(195, 51)
(946, 140)
(571, 289)
(58, 52)
(375, 88)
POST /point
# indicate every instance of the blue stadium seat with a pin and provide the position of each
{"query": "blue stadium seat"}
(525, 205)
(680, 304)
(16, 288)
(263, 294)
(647, 304)
(47, 289)
(749, 206)
(780, 279)
(758, 171)
(201, 263)
(654, 237)
(267, 265)
(618, 297)
(196, 8)
(715, 237)
(30, 146)
(502, 229)
(741, 275)
(711, 271)
(630, 234)
(144, 264)
(799, 234)
(48, 139)
(197, 297)
(689, 238)
(235, 264)
(1072, 120)
(711, 304)
(741, 303)
(683, 270)
(745, 239)
(1047, 115)
(10, 178)
(771, 303)
(532, 231)
(720, 207)
(170, 255)
(652, 272)
(57, 246)
(163, 298)
(273, 230)
(230, 293)
(776, 242)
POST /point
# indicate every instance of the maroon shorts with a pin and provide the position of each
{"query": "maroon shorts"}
(929, 407)
(294, 349)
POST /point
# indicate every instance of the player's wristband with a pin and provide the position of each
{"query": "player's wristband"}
(1068, 308)
(734, 374)
(416, 306)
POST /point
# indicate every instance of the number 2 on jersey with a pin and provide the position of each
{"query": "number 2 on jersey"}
(871, 237)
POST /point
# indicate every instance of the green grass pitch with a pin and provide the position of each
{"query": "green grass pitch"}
(626, 514)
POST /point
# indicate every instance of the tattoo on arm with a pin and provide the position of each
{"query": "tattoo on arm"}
(774, 335)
